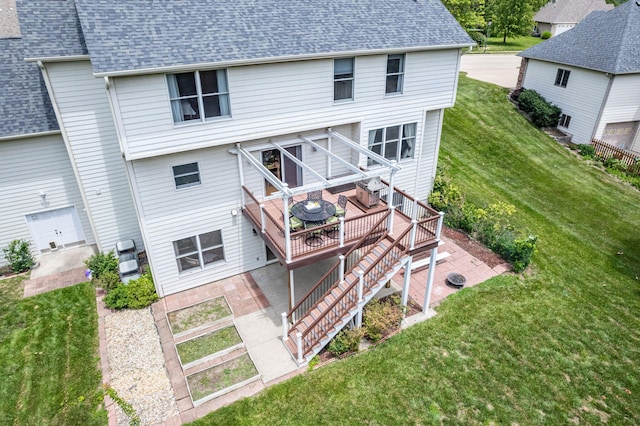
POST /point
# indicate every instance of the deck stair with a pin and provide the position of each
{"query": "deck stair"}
(374, 265)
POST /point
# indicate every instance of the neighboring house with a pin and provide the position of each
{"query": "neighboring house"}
(189, 126)
(558, 16)
(592, 73)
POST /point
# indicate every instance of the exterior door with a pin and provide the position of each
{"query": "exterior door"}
(55, 228)
(282, 167)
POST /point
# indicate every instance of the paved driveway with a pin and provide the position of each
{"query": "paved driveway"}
(500, 69)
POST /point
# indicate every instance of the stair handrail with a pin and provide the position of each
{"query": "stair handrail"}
(356, 246)
(352, 285)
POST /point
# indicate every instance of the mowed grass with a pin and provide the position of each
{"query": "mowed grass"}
(559, 344)
(49, 360)
(495, 44)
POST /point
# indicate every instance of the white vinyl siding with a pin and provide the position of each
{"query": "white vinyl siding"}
(86, 117)
(622, 104)
(581, 99)
(286, 98)
(196, 211)
(28, 167)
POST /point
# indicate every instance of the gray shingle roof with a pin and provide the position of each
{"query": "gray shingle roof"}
(569, 11)
(142, 34)
(48, 28)
(604, 41)
(24, 103)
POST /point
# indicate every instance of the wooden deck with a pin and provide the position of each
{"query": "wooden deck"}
(269, 222)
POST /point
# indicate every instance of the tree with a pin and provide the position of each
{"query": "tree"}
(511, 18)
(468, 13)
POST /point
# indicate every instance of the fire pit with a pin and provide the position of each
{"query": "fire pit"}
(456, 280)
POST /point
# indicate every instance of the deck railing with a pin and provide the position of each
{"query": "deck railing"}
(336, 274)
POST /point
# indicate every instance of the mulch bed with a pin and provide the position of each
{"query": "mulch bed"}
(473, 247)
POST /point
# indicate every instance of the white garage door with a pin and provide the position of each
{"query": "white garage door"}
(55, 228)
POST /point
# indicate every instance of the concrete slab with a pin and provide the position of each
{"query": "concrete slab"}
(62, 260)
(272, 359)
(258, 327)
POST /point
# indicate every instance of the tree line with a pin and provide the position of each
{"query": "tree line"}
(506, 18)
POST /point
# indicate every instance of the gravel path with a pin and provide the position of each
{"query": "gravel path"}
(136, 366)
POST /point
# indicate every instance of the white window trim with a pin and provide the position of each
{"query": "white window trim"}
(564, 118)
(562, 73)
(186, 186)
(352, 79)
(199, 98)
(400, 139)
(199, 251)
(401, 73)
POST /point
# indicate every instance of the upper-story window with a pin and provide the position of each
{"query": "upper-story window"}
(343, 79)
(394, 142)
(562, 77)
(395, 73)
(186, 175)
(199, 95)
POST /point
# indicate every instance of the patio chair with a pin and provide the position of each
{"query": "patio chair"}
(313, 237)
(341, 207)
(314, 195)
(332, 232)
(291, 203)
(295, 224)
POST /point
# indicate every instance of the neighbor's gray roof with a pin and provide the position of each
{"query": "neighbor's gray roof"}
(48, 28)
(604, 41)
(569, 11)
(142, 34)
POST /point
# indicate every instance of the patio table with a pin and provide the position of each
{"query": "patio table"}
(313, 211)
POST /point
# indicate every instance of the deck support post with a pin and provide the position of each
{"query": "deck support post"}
(263, 228)
(287, 228)
(299, 343)
(412, 237)
(430, 276)
(292, 296)
(342, 261)
(390, 197)
(406, 284)
(341, 228)
(285, 326)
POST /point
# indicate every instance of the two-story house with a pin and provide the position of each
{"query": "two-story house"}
(200, 129)
(592, 72)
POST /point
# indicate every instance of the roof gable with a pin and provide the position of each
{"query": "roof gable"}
(140, 35)
(604, 41)
(569, 11)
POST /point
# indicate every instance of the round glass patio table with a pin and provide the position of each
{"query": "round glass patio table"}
(313, 211)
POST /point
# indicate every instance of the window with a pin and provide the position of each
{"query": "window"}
(564, 120)
(343, 79)
(562, 77)
(199, 251)
(186, 175)
(395, 73)
(193, 93)
(393, 143)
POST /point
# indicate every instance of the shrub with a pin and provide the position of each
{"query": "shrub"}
(100, 263)
(587, 150)
(18, 255)
(108, 281)
(491, 226)
(478, 37)
(136, 294)
(346, 341)
(381, 317)
(545, 35)
(542, 113)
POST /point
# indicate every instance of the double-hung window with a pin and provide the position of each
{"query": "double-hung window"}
(343, 79)
(394, 142)
(199, 251)
(186, 175)
(395, 73)
(562, 77)
(199, 95)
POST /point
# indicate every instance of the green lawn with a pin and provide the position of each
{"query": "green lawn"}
(495, 45)
(559, 344)
(49, 363)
